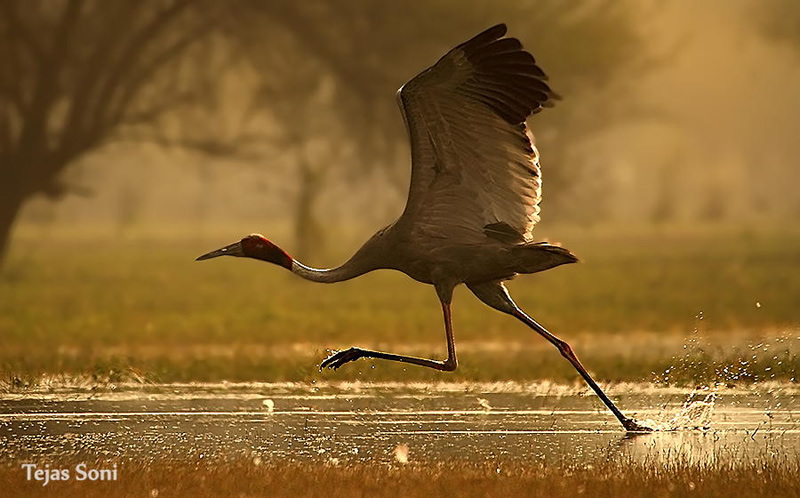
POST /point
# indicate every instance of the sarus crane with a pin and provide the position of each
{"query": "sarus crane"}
(474, 195)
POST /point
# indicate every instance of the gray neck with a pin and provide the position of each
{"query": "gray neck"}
(369, 257)
(328, 276)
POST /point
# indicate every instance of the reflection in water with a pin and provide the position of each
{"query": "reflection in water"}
(398, 426)
(711, 447)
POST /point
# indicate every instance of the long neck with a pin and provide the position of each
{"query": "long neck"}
(348, 270)
(369, 257)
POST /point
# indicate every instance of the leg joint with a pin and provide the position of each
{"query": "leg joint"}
(450, 364)
(565, 349)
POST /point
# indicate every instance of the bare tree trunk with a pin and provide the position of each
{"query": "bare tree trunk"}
(10, 204)
(307, 229)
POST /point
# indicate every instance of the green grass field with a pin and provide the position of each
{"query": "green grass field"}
(143, 309)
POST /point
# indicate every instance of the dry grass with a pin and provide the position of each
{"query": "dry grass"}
(247, 478)
(146, 309)
(114, 312)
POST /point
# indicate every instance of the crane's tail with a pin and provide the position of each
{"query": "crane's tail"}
(540, 256)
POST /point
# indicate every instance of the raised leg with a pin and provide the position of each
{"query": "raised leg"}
(495, 295)
(339, 358)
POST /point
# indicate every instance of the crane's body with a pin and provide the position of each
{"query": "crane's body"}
(474, 194)
(439, 262)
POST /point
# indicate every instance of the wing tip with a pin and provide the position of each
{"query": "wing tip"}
(485, 37)
(499, 30)
(499, 60)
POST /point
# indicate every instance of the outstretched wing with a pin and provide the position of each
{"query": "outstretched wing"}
(474, 171)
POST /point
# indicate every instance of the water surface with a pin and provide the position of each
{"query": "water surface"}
(391, 423)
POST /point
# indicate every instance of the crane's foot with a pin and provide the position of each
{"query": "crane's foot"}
(632, 426)
(339, 358)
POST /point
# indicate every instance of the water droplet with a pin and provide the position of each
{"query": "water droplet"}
(401, 453)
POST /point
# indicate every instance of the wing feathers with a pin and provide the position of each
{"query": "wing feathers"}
(504, 232)
(484, 38)
(505, 46)
(475, 173)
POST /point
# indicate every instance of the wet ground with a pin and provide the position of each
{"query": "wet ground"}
(395, 423)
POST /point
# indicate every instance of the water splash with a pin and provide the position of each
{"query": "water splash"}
(401, 453)
(744, 359)
(484, 404)
(695, 414)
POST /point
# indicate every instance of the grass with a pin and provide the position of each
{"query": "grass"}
(291, 479)
(694, 302)
(143, 310)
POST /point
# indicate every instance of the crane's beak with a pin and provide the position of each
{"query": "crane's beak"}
(234, 249)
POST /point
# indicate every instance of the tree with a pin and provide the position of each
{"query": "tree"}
(296, 93)
(78, 74)
(86, 72)
(370, 49)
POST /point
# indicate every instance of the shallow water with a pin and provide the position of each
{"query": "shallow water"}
(391, 423)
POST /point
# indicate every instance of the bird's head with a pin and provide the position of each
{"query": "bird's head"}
(253, 246)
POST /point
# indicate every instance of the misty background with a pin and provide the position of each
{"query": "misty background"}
(172, 118)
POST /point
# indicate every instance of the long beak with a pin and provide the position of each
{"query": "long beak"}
(234, 249)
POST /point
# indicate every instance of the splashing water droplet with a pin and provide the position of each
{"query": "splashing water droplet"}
(694, 414)
(401, 453)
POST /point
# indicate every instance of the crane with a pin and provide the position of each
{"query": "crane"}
(473, 199)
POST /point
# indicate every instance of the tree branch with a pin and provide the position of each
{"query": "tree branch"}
(18, 28)
(95, 67)
(130, 54)
(117, 108)
(240, 149)
(33, 137)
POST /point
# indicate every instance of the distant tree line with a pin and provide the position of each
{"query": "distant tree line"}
(81, 74)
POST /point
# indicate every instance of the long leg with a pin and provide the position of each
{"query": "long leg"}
(339, 358)
(495, 295)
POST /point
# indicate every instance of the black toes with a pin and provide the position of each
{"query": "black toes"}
(339, 358)
(330, 361)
